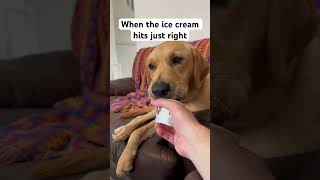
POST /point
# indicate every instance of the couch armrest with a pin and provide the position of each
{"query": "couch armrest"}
(206, 119)
(121, 87)
(39, 80)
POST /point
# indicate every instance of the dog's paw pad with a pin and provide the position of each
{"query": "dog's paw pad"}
(120, 134)
(119, 129)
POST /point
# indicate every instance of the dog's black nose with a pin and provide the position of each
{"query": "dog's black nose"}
(160, 89)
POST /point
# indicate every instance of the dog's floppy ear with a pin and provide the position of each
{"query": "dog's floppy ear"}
(201, 67)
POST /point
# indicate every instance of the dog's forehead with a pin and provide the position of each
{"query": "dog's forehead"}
(170, 47)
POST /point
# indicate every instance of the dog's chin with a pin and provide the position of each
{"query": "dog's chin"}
(178, 98)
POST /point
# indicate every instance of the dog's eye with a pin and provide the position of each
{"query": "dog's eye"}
(176, 60)
(151, 66)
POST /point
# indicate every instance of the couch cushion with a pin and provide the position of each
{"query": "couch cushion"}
(39, 80)
(6, 89)
(121, 87)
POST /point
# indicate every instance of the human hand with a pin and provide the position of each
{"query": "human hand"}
(185, 126)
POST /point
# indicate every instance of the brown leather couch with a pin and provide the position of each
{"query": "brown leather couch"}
(156, 158)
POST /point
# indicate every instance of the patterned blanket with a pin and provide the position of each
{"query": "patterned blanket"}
(140, 98)
(75, 123)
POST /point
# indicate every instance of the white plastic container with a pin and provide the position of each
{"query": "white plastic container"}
(163, 116)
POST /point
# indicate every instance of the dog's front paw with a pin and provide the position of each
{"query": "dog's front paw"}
(121, 133)
(125, 163)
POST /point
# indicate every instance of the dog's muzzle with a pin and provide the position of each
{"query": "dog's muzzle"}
(160, 89)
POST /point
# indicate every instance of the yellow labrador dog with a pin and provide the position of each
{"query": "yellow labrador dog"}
(175, 70)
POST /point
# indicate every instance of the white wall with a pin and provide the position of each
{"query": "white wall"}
(54, 19)
(34, 26)
(124, 48)
(115, 69)
(17, 28)
(175, 9)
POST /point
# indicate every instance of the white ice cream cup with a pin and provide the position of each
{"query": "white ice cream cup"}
(163, 116)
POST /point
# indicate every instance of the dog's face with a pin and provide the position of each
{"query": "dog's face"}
(175, 70)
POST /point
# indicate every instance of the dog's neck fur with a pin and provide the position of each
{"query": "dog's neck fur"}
(202, 100)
